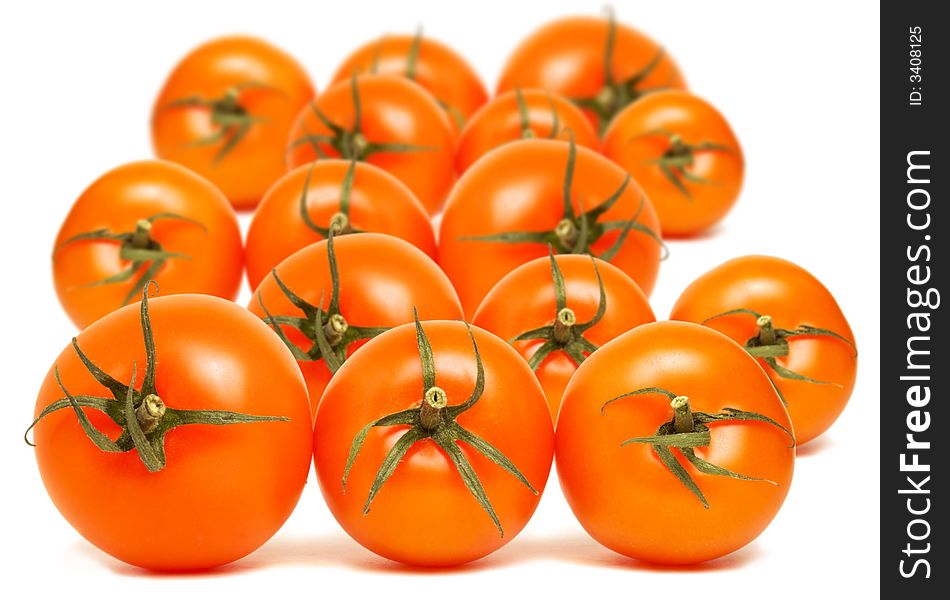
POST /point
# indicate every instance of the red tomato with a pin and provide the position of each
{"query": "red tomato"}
(225, 112)
(350, 197)
(220, 447)
(555, 311)
(145, 220)
(433, 444)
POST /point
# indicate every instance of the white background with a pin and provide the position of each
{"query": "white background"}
(800, 85)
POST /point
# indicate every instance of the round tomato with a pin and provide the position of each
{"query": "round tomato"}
(433, 444)
(529, 194)
(174, 434)
(680, 427)
(225, 112)
(791, 323)
(349, 197)
(684, 154)
(522, 114)
(601, 65)
(440, 70)
(145, 220)
(340, 292)
(385, 120)
(555, 311)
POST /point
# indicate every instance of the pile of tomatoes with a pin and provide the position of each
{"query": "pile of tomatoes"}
(423, 374)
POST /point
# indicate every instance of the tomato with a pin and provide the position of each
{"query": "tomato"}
(350, 197)
(684, 154)
(387, 445)
(440, 70)
(522, 197)
(145, 220)
(791, 323)
(601, 65)
(521, 114)
(216, 454)
(225, 112)
(660, 432)
(557, 310)
(385, 120)
(346, 291)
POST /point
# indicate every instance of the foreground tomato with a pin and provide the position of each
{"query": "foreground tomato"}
(385, 120)
(433, 65)
(433, 444)
(684, 154)
(600, 65)
(556, 311)
(225, 113)
(791, 323)
(348, 197)
(326, 300)
(526, 195)
(522, 114)
(672, 447)
(198, 465)
(145, 220)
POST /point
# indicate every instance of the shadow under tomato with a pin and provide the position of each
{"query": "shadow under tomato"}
(814, 447)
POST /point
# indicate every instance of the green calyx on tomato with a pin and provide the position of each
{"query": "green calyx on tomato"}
(139, 248)
(576, 232)
(340, 221)
(680, 155)
(434, 419)
(565, 333)
(688, 430)
(771, 343)
(142, 414)
(350, 144)
(526, 131)
(328, 330)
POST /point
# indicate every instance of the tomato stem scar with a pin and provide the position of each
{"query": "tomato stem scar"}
(340, 221)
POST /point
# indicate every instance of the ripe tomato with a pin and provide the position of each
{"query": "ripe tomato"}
(677, 425)
(385, 120)
(791, 323)
(145, 220)
(522, 197)
(521, 114)
(343, 291)
(387, 451)
(600, 65)
(350, 197)
(684, 154)
(217, 449)
(555, 311)
(440, 70)
(225, 112)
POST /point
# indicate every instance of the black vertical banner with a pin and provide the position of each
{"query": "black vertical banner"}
(915, 358)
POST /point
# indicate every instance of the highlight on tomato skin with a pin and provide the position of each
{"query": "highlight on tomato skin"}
(684, 154)
(141, 221)
(225, 112)
(227, 438)
(677, 424)
(432, 424)
(785, 317)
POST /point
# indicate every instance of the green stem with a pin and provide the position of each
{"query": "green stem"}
(340, 224)
(767, 335)
(566, 232)
(564, 324)
(140, 238)
(682, 415)
(335, 328)
(430, 412)
(150, 412)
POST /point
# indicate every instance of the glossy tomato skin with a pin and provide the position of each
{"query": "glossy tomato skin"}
(381, 279)
(519, 187)
(394, 110)
(625, 497)
(629, 143)
(566, 56)
(378, 203)
(499, 122)
(115, 202)
(525, 299)
(282, 89)
(423, 514)
(442, 71)
(791, 296)
(225, 490)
